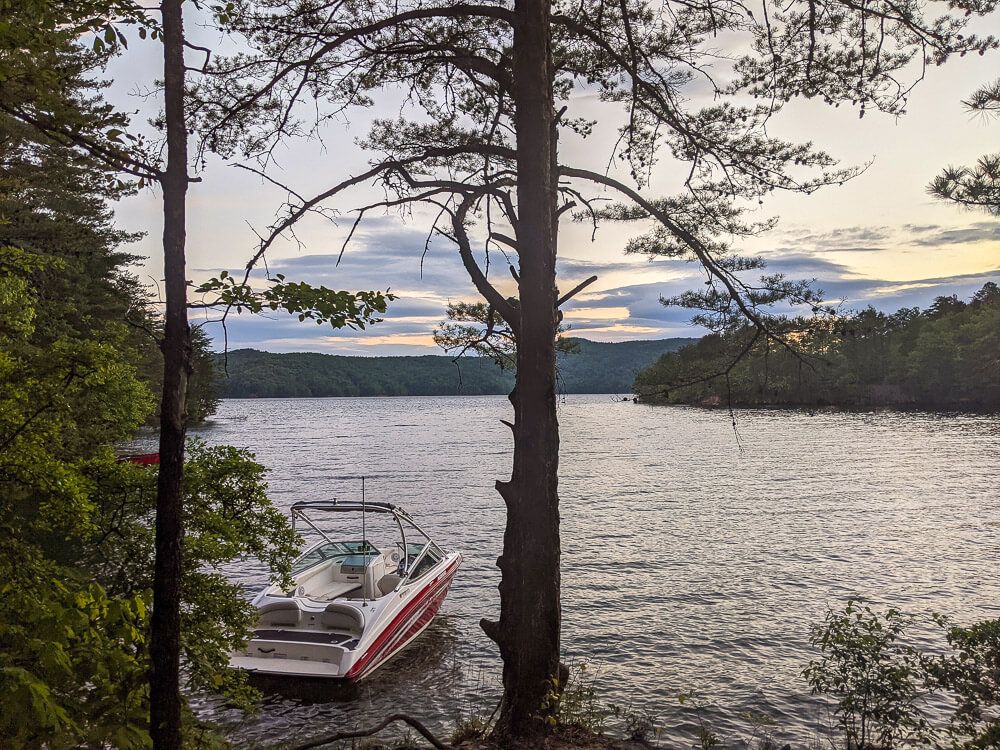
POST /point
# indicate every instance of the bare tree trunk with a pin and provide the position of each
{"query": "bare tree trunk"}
(528, 632)
(164, 648)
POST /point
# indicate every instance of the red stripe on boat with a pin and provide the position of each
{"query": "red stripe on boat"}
(426, 603)
(379, 653)
(419, 622)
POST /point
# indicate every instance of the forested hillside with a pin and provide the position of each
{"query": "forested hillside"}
(591, 368)
(945, 357)
(598, 367)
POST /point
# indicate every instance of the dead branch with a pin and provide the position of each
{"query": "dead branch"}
(575, 290)
(341, 736)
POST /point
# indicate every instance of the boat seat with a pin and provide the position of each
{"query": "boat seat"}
(388, 583)
(343, 617)
(278, 614)
(333, 590)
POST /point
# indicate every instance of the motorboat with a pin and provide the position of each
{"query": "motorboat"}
(355, 603)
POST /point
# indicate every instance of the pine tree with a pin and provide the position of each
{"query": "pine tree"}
(976, 187)
(489, 94)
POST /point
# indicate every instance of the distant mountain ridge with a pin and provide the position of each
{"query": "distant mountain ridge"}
(595, 367)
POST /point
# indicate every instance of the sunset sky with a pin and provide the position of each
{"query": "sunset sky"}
(878, 240)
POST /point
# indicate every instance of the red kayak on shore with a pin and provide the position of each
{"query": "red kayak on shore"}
(142, 459)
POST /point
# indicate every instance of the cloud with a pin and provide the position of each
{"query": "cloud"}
(879, 239)
(982, 231)
(805, 265)
(584, 268)
(890, 296)
(625, 303)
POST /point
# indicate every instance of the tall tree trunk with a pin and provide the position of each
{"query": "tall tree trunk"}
(164, 648)
(528, 632)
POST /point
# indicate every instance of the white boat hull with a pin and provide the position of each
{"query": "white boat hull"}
(391, 623)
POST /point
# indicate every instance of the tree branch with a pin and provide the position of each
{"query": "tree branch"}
(482, 284)
(575, 290)
(341, 736)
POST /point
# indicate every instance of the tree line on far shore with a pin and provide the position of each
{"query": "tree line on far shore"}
(945, 357)
(585, 367)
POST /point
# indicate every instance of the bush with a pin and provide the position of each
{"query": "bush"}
(971, 674)
(877, 680)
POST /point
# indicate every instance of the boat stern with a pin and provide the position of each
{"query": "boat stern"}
(295, 653)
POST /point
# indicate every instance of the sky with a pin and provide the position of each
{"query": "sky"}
(878, 240)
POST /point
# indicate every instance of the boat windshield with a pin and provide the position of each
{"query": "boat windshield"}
(425, 563)
(329, 550)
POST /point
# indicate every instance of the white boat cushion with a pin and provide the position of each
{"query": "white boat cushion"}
(374, 573)
(388, 583)
(279, 614)
(334, 590)
(343, 617)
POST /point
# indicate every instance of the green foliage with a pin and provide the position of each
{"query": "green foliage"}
(78, 362)
(67, 351)
(976, 187)
(202, 393)
(876, 679)
(476, 327)
(601, 367)
(945, 357)
(708, 738)
(63, 397)
(227, 516)
(337, 308)
(577, 703)
(247, 373)
(72, 658)
(971, 674)
(72, 655)
(469, 729)
(47, 47)
(592, 367)
(881, 683)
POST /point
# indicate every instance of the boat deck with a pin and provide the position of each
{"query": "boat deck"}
(288, 667)
(334, 590)
(303, 636)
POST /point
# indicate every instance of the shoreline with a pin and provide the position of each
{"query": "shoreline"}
(718, 404)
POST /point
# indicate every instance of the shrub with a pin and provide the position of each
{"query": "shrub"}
(877, 680)
(971, 674)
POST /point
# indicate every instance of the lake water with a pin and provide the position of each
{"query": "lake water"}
(693, 560)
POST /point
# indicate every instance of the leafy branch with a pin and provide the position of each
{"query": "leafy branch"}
(339, 309)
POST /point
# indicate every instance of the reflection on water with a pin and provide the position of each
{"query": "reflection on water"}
(425, 655)
(688, 565)
(303, 690)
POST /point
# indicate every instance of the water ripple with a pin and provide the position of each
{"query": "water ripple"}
(688, 565)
